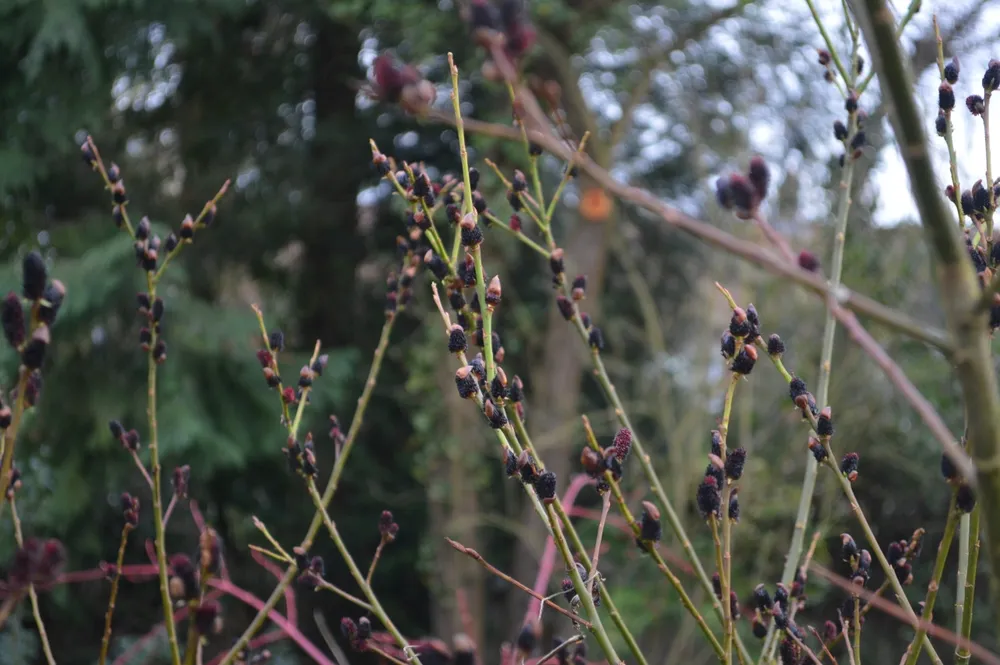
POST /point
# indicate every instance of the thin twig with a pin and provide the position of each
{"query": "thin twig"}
(476, 556)
(379, 652)
(323, 584)
(606, 504)
(558, 648)
(115, 579)
(378, 555)
(913, 650)
(846, 631)
(773, 236)
(43, 636)
(725, 554)
(142, 469)
(822, 644)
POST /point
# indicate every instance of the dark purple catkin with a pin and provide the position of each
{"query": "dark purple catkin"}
(951, 71)
(465, 381)
(649, 524)
(34, 351)
(965, 498)
(545, 486)
(34, 276)
(12, 319)
(745, 360)
(727, 345)
(948, 468)
(457, 342)
(735, 460)
(762, 599)
(824, 424)
(849, 466)
(848, 548)
(708, 498)
(775, 346)
(760, 176)
(623, 443)
(946, 97)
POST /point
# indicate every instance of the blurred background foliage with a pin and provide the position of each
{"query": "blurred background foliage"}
(184, 95)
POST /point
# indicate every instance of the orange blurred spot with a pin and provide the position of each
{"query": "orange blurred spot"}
(595, 205)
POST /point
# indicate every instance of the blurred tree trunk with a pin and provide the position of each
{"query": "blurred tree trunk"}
(332, 247)
(454, 512)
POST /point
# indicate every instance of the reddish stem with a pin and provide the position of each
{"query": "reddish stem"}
(281, 622)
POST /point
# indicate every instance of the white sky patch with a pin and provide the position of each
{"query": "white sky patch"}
(890, 177)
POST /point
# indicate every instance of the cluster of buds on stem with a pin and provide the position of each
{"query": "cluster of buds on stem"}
(743, 193)
(150, 334)
(312, 569)
(387, 527)
(30, 336)
(609, 460)
(357, 633)
(804, 401)
(130, 509)
(129, 440)
(301, 456)
(779, 609)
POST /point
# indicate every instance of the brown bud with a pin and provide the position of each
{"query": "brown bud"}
(493, 293)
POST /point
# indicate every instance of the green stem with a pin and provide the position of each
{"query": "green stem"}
(359, 577)
(826, 359)
(116, 578)
(154, 455)
(720, 565)
(962, 654)
(10, 435)
(486, 313)
(913, 651)
(987, 94)
(495, 221)
(963, 569)
(857, 631)
(726, 570)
